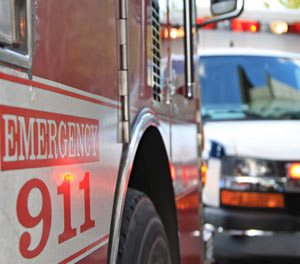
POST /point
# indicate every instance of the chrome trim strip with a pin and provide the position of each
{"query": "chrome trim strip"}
(260, 184)
(30, 17)
(124, 111)
(15, 58)
(248, 183)
(254, 232)
(249, 233)
(144, 119)
(212, 230)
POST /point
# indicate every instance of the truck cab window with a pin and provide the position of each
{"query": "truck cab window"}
(14, 32)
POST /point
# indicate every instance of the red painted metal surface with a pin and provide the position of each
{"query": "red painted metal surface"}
(189, 223)
(76, 44)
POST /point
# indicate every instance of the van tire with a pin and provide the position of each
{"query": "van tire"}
(142, 237)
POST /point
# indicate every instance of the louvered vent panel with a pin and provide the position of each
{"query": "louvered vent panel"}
(156, 51)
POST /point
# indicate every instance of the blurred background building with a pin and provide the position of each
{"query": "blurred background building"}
(269, 24)
(264, 24)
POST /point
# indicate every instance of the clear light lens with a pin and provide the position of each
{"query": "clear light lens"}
(279, 27)
(235, 166)
(250, 167)
(173, 33)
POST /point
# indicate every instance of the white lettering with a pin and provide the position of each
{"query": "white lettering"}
(42, 127)
(26, 137)
(52, 130)
(87, 140)
(62, 125)
(31, 136)
(11, 146)
(80, 139)
(94, 137)
(72, 150)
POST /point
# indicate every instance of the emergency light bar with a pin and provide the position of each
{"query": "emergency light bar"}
(200, 21)
(279, 27)
(238, 25)
(254, 26)
(294, 28)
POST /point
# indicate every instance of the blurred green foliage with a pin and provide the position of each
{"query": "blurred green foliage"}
(290, 4)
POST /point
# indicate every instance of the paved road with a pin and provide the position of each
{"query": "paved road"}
(260, 261)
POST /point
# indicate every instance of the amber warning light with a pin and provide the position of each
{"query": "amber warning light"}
(294, 171)
(203, 173)
(252, 199)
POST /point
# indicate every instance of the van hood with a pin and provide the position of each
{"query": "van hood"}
(277, 140)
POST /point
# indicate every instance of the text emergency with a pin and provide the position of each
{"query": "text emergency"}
(32, 139)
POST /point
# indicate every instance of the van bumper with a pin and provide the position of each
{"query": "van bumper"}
(278, 245)
(239, 234)
(244, 219)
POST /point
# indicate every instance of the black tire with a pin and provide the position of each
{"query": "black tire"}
(142, 239)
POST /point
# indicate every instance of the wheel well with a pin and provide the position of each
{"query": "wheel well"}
(151, 175)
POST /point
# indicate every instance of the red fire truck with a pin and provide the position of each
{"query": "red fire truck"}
(99, 160)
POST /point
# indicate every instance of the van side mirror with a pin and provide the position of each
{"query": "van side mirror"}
(219, 7)
(223, 10)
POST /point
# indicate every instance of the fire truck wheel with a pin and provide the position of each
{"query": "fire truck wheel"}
(142, 239)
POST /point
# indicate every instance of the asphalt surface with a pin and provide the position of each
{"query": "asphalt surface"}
(259, 261)
(257, 251)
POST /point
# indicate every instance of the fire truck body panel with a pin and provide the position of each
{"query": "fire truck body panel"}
(64, 175)
(102, 170)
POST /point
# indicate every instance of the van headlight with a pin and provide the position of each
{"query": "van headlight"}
(240, 166)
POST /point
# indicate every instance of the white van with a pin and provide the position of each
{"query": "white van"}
(250, 103)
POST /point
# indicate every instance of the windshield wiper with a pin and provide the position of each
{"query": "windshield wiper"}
(252, 114)
(290, 115)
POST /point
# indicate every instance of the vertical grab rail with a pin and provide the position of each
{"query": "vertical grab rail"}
(188, 49)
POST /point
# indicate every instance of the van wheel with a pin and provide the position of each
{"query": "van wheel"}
(142, 238)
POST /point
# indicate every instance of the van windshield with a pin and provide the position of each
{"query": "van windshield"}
(249, 87)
